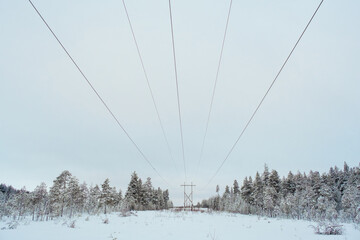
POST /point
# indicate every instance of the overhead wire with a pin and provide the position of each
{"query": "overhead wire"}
(214, 87)
(266, 93)
(98, 95)
(177, 88)
(148, 84)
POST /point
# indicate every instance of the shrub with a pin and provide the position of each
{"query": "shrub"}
(13, 225)
(328, 229)
(72, 224)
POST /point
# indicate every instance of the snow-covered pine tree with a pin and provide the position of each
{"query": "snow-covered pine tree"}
(74, 195)
(22, 199)
(2, 204)
(265, 175)
(247, 194)
(141, 197)
(289, 185)
(106, 196)
(225, 200)
(155, 199)
(93, 202)
(132, 194)
(274, 182)
(326, 204)
(119, 199)
(83, 197)
(166, 198)
(215, 201)
(313, 193)
(350, 203)
(331, 181)
(10, 204)
(236, 188)
(300, 182)
(258, 193)
(59, 193)
(288, 206)
(269, 200)
(343, 178)
(39, 201)
(148, 194)
(161, 202)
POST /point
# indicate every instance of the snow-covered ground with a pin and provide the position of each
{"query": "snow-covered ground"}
(170, 225)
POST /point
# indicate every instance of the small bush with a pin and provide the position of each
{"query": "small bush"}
(72, 224)
(126, 213)
(13, 225)
(328, 229)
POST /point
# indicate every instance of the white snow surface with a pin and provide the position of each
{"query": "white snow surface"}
(170, 225)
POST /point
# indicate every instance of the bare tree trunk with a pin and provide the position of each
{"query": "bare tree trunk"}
(71, 207)
(20, 209)
(33, 214)
(62, 208)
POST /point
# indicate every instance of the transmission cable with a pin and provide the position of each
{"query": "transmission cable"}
(214, 88)
(263, 98)
(148, 84)
(177, 88)
(98, 95)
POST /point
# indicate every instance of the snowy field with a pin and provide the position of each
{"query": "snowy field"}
(170, 225)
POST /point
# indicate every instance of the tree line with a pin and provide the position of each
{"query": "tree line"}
(334, 195)
(67, 197)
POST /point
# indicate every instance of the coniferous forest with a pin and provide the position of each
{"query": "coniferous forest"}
(334, 195)
(67, 197)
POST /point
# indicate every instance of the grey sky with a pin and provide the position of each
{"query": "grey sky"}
(50, 120)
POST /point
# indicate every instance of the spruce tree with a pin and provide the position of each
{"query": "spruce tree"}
(166, 199)
(289, 185)
(161, 202)
(326, 205)
(274, 183)
(236, 188)
(269, 201)
(265, 175)
(350, 202)
(132, 194)
(258, 192)
(246, 190)
(106, 197)
(148, 194)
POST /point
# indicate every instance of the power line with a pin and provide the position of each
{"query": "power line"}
(148, 84)
(214, 88)
(266, 93)
(97, 94)
(177, 88)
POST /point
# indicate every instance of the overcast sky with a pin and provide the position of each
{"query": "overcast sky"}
(50, 120)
